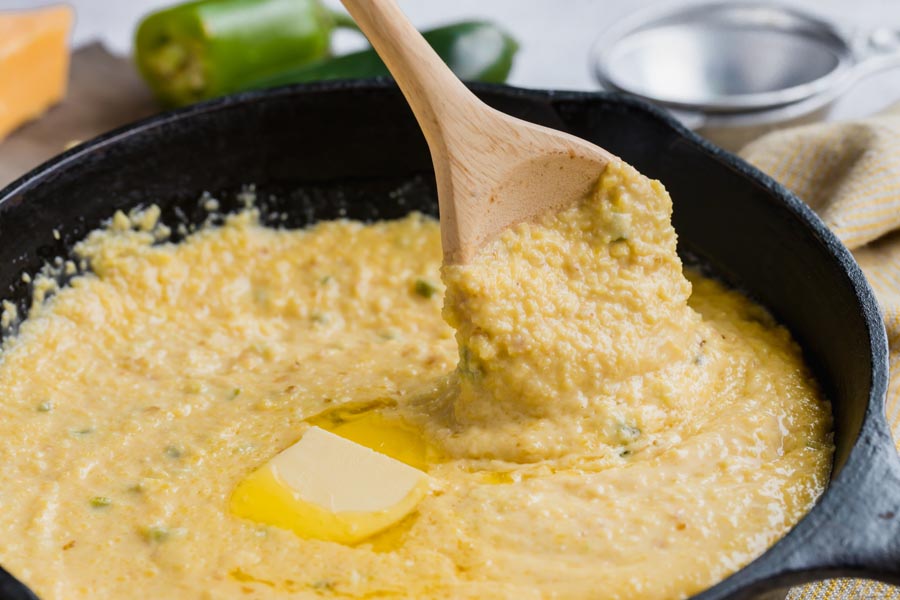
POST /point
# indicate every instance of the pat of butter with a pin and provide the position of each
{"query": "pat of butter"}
(34, 63)
(330, 488)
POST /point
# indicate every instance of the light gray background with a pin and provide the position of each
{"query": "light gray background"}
(555, 35)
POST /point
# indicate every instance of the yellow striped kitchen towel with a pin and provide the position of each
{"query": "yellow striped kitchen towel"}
(849, 173)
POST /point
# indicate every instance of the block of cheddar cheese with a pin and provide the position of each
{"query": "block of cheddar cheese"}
(34, 63)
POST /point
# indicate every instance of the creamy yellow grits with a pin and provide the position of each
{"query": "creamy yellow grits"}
(613, 429)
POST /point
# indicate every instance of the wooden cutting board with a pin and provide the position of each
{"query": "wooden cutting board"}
(105, 92)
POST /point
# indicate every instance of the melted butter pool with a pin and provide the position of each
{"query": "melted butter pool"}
(368, 424)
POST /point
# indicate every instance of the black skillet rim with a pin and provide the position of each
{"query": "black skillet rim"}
(759, 569)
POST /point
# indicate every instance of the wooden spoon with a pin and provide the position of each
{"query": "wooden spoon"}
(492, 170)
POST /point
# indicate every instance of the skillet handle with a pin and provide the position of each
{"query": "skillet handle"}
(859, 534)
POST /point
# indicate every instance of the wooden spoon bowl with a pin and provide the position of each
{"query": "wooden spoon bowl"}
(492, 170)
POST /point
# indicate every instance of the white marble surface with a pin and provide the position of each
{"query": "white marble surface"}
(556, 35)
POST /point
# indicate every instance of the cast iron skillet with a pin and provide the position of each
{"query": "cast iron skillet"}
(353, 149)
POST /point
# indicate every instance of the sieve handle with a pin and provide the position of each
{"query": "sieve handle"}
(876, 50)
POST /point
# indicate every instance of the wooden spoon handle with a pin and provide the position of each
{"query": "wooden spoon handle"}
(491, 170)
(436, 95)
